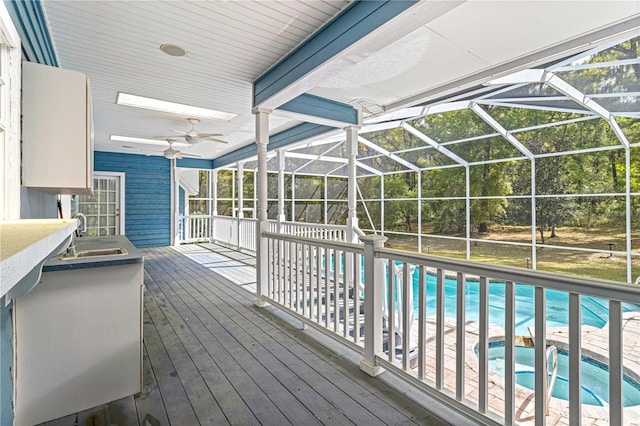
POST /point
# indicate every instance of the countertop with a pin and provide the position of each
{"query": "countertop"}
(93, 243)
(25, 244)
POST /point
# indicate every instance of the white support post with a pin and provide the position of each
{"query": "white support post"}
(175, 204)
(213, 186)
(240, 190)
(293, 197)
(352, 152)
(233, 194)
(281, 164)
(628, 216)
(352, 218)
(467, 208)
(534, 249)
(373, 282)
(262, 258)
(419, 173)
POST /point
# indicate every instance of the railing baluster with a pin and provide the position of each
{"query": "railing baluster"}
(460, 336)
(270, 264)
(345, 297)
(336, 287)
(540, 343)
(303, 281)
(422, 326)
(391, 332)
(356, 299)
(327, 282)
(440, 329)
(321, 255)
(509, 358)
(575, 357)
(615, 363)
(483, 348)
(406, 315)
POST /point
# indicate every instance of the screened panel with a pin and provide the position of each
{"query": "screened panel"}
(520, 118)
(452, 126)
(320, 167)
(501, 254)
(426, 157)
(309, 211)
(272, 185)
(401, 185)
(615, 79)
(225, 208)
(526, 91)
(444, 217)
(486, 212)
(337, 213)
(247, 185)
(369, 215)
(444, 247)
(309, 187)
(635, 168)
(383, 163)
(225, 183)
(449, 182)
(401, 215)
(620, 104)
(369, 187)
(393, 139)
(515, 223)
(488, 149)
(569, 137)
(337, 189)
(489, 180)
(586, 173)
(332, 148)
(595, 265)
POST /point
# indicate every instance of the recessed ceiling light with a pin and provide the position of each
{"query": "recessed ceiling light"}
(172, 107)
(173, 50)
(130, 139)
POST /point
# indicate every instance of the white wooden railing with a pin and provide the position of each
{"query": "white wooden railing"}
(306, 278)
(241, 233)
(310, 230)
(194, 228)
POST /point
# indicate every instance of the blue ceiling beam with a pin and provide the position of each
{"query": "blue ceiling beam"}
(279, 140)
(31, 24)
(357, 21)
(321, 110)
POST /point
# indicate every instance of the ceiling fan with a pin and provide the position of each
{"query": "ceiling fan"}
(171, 153)
(192, 136)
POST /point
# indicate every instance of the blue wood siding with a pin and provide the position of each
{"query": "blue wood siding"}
(147, 195)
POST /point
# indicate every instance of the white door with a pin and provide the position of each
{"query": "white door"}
(104, 209)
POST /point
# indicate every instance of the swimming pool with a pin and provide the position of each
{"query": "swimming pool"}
(595, 311)
(595, 375)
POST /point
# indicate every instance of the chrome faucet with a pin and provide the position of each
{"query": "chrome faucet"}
(81, 229)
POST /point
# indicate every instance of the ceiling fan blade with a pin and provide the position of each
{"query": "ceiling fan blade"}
(216, 140)
(208, 135)
(184, 154)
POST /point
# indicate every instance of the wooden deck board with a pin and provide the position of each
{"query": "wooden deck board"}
(212, 357)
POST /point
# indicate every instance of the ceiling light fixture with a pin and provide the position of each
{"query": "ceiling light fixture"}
(171, 107)
(173, 50)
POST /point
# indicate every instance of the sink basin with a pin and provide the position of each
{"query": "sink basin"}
(96, 252)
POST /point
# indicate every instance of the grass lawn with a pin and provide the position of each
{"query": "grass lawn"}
(595, 265)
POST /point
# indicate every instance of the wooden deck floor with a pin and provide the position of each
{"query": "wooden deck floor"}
(211, 357)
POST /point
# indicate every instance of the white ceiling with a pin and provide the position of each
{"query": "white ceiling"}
(433, 48)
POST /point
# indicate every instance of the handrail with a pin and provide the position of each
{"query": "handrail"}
(330, 244)
(606, 289)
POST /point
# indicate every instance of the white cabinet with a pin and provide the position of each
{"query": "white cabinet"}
(57, 130)
(78, 341)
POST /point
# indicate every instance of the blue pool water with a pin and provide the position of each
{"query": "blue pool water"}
(594, 310)
(595, 376)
